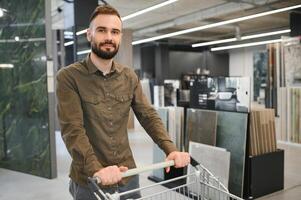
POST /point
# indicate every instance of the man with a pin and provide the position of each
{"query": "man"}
(94, 99)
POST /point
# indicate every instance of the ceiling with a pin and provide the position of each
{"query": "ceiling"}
(184, 14)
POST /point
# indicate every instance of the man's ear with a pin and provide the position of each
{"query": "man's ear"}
(89, 34)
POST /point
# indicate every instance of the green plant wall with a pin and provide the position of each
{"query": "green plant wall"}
(24, 122)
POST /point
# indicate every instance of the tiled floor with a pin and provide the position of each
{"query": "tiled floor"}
(15, 185)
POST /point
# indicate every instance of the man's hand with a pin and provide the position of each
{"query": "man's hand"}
(110, 175)
(181, 159)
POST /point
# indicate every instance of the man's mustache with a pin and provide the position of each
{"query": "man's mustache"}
(107, 42)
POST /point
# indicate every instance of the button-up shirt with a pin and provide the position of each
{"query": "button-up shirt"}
(93, 111)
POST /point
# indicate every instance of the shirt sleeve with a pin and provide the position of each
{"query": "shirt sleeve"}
(150, 120)
(70, 116)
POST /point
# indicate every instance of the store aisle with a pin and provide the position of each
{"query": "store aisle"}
(15, 185)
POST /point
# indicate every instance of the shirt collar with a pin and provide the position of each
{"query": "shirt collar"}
(93, 69)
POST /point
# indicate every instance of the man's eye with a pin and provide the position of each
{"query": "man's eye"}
(115, 32)
(101, 30)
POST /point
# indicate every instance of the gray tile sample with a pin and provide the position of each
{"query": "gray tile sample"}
(176, 125)
(215, 159)
(231, 135)
(158, 154)
(201, 126)
(172, 118)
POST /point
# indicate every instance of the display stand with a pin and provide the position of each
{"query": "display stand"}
(264, 174)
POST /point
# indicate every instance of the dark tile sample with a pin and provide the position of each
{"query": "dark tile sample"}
(201, 126)
(231, 135)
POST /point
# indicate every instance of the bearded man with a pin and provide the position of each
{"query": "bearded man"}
(94, 99)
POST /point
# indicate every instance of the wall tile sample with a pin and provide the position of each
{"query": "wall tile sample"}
(201, 126)
(282, 107)
(295, 114)
(231, 135)
(290, 117)
(24, 136)
(292, 65)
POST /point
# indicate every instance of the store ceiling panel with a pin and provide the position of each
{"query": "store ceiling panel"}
(184, 14)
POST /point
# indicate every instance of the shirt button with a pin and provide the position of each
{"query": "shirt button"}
(109, 108)
(115, 153)
(111, 123)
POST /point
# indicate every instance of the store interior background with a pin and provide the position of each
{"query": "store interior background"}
(33, 46)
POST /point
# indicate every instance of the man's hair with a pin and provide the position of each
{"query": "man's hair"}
(104, 10)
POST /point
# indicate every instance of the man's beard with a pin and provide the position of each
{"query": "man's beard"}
(106, 55)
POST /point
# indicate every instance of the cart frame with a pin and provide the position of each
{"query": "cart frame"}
(204, 185)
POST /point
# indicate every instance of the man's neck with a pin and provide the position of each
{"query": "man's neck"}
(103, 65)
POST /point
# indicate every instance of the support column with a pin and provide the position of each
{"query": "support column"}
(125, 57)
(50, 87)
(125, 53)
(161, 63)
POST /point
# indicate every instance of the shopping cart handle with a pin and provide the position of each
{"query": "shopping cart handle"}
(132, 172)
(161, 165)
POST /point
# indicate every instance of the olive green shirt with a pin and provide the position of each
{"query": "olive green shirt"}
(93, 111)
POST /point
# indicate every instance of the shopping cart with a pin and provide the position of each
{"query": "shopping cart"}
(201, 184)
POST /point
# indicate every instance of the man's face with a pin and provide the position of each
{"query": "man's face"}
(104, 34)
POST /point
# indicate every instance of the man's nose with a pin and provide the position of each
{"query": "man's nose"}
(108, 35)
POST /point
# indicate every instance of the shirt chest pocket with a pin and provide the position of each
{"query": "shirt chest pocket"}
(122, 104)
(93, 106)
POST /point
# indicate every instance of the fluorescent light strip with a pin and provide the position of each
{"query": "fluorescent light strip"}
(68, 43)
(265, 34)
(242, 38)
(231, 21)
(137, 13)
(213, 42)
(147, 10)
(6, 66)
(81, 32)
(245, 45)
(83, 52)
